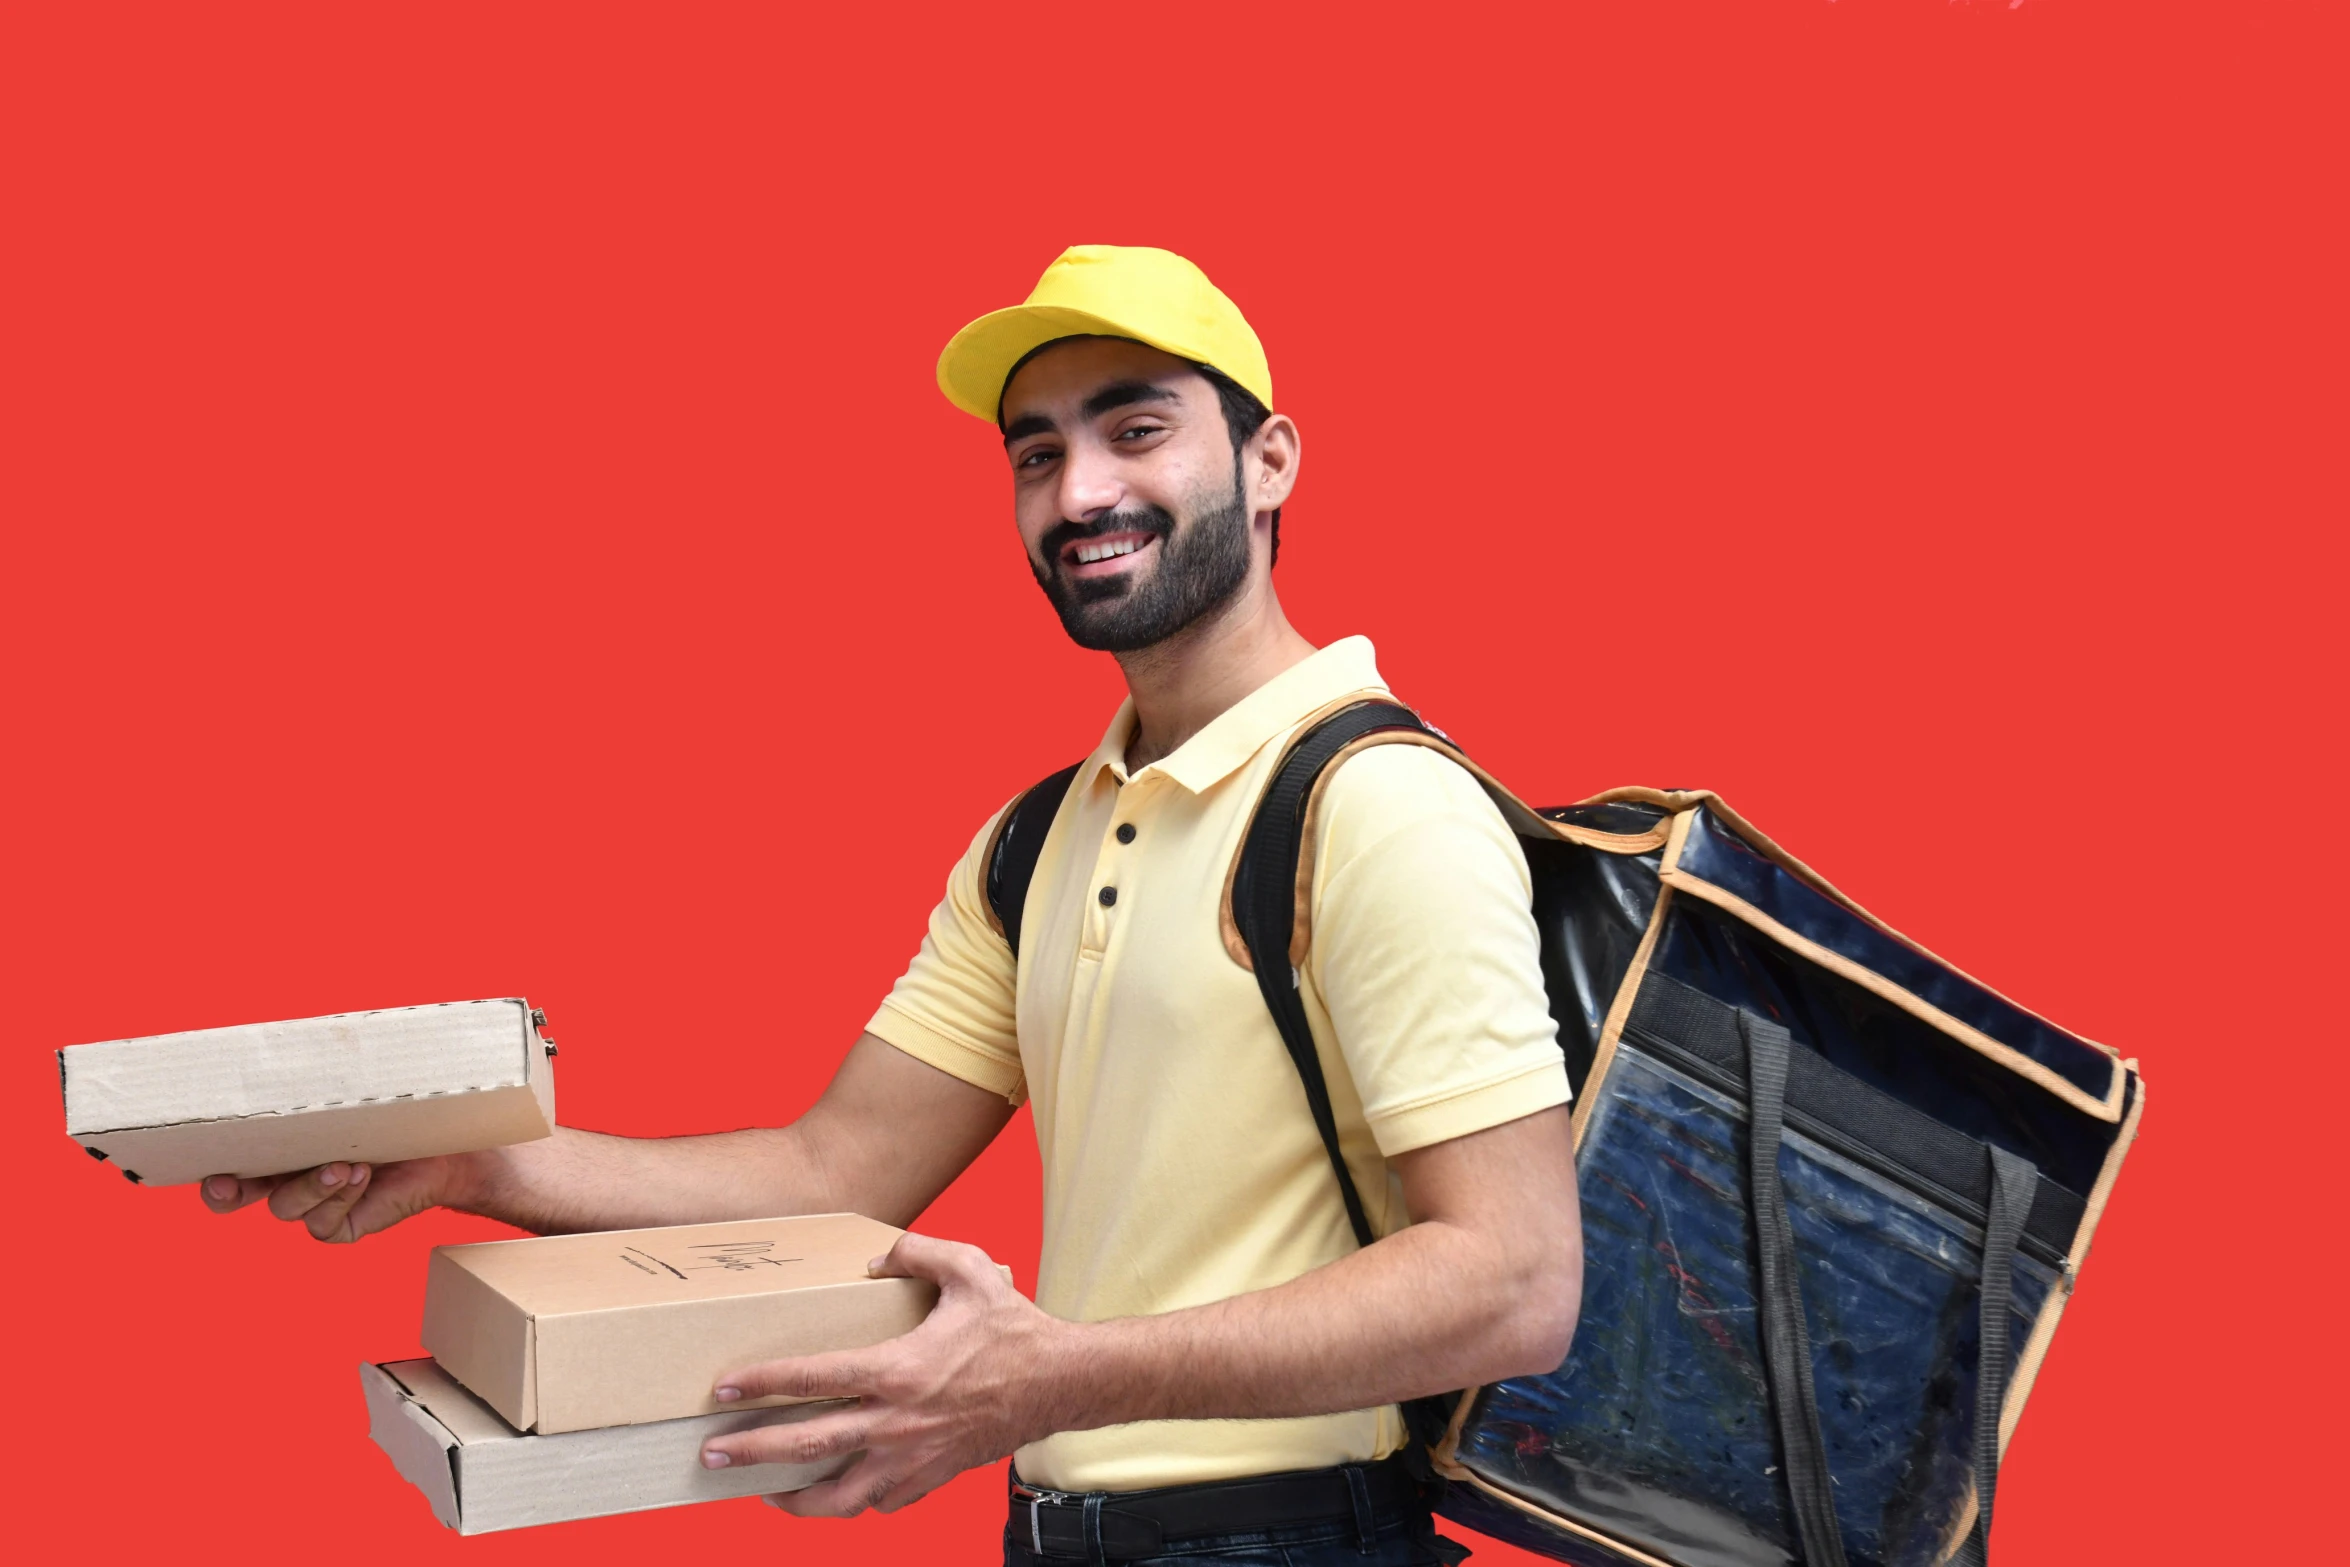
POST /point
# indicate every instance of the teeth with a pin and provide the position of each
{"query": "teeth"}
(1087, 554)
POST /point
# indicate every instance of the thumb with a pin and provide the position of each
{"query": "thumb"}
(943, 1263)
(400, 1191)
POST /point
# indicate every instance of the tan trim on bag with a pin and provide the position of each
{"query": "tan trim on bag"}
(1522, 818)
(1445, 1455)
(2035, 1350)
(1676, 839)
(1618, 1010)
(1556, 1521)
(2027, 1364)
(1684, 799)
(2108, 1108)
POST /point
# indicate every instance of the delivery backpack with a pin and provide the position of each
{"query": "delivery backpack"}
(1835, 1193)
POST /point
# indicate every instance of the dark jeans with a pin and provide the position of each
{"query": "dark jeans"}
(1400, 1540)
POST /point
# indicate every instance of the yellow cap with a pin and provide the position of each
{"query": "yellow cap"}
(1152, 296)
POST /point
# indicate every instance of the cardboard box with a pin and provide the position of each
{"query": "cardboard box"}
(567, 1332)
(480, 1474)
(265, 1098)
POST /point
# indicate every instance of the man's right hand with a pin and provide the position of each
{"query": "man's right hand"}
(341, 1202)
(884, 1140)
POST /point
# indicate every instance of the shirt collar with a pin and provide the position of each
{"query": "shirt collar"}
(1241, 730)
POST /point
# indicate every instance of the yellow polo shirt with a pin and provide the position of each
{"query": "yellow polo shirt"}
(1181, 1165)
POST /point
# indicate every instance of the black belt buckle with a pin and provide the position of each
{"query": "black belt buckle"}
(1057, 1525)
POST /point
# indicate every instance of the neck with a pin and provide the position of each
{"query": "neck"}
(1180, 685)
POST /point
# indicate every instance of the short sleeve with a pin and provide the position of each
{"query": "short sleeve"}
(953, 1008)
(1425, 952)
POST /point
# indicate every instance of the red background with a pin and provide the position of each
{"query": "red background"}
(479, 522)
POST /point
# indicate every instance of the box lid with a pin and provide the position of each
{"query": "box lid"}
(553, 1275)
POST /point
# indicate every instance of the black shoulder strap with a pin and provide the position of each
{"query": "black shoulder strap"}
(1264, 905)
(1013, 864)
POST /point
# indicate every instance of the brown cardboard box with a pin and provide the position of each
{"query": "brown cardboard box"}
(568, 1332)
(264, 1098)
(480, 1474)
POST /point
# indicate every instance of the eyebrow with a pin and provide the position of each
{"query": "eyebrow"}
(1118, 394)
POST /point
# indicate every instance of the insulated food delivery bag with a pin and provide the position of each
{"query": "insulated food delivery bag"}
(1835, 1193)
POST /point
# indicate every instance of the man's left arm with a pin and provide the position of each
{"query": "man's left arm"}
(1482, 1285)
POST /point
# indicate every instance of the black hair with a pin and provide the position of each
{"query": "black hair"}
(1244, 415)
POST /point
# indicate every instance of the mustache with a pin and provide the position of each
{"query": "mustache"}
(1154, 520)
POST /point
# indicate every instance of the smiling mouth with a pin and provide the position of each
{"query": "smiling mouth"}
(1102, 556)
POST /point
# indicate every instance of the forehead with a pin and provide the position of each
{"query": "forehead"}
(1060, 378)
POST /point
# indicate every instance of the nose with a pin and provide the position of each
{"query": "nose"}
(1090, 485)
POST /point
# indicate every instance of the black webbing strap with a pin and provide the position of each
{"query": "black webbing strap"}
(1013, 865)
(1264, 905)
(1786, 1342)
(2013, 1180)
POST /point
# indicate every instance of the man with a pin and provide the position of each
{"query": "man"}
(1204, 1317)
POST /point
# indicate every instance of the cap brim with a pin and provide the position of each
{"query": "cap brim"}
(972, 367)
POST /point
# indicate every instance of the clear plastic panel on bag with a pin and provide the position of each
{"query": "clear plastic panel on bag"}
(1658, 1429)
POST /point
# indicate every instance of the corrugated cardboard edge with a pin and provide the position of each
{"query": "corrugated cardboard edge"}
(419, 1446)
(538, 1067)
(482, 1476)
(533, 1055)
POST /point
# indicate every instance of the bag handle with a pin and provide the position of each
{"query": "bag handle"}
(1787, 1342)
(2013, 1181)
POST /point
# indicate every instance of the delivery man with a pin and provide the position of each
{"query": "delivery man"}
(1211, 1367)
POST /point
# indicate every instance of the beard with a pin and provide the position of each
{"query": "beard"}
(1202, 564)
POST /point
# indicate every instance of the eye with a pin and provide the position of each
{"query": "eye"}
(1135, 431)
(1036, 457)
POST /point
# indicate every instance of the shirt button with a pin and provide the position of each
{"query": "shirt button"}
(1125, 832)
(1109, 895)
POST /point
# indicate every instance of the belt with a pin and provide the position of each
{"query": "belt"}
(1141, 1523)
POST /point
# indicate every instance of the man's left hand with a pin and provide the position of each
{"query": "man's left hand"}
(965, 1388)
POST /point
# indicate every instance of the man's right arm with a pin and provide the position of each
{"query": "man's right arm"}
(886, 1138)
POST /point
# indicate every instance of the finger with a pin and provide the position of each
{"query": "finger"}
(799, 1442)
(941, 1262)
(907, 1492)
(844, 1373)
(864, 1484)
(331, 1219)
(296, 1195)
(228, 1193)
(385, 1199)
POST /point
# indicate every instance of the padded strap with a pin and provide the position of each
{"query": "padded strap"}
(1264, 906)
(1786, 1342)
(2013, 1180)
(1013, 864)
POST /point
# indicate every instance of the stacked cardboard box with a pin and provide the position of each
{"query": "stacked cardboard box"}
(571, 1375)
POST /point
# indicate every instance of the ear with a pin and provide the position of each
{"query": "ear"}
(1270, 472)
